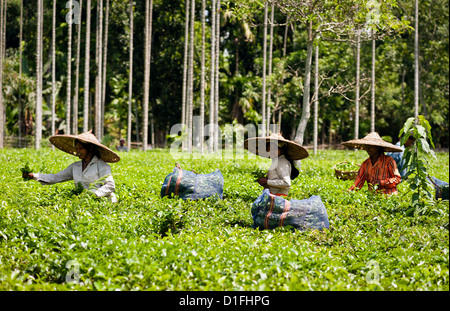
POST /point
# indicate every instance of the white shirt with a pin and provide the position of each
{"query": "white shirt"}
(95, 170)
(279, 176)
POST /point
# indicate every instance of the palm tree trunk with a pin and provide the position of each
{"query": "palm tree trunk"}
(190, 105)
(264, 73)
(148, 36)
(38, 125)
(77, 73)
(20, 71)
(358, 69)
(416, 59)
(202, 81)
(130, 79)
(372, 105)
(269, 93)
(316, 100)
(216, 79)
(53, 108)
(98, 78)
(105, 53)
(213, 74)
(69, 73)
(185, 66)
(86, 68)
(2, 106)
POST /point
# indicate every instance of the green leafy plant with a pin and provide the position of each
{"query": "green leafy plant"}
(77, 190)
(26, 170)
(347, 167)
(415, 162)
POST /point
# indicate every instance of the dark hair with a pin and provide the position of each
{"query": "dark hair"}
(91, 148)
(294, 170)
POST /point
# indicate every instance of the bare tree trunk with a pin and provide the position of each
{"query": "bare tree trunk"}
(130, 79)
(86, 68)
(264, 73)
(2, 105)
(190, 101)
(185, 66)
(372, 106)
(306, 113)
(105, 53)
(38, 125)
(148, 36)
(216, 80)
(53, 108)
(316, 100)
(98, 78)
(202, 82)
(358, 58)
(416, 59)
(77, 73)
(20, 72)
(213, 74)
(269, 93)
(69, 72)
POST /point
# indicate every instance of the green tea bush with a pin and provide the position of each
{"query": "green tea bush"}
(51, 239)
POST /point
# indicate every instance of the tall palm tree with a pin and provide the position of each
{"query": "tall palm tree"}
(148, 36)
(53, 70)
(130, 79)
(264, 72)
(2, 107)
(269, 92)
(20, 70)
(213, 75)
(372, 105)
(185, 65)
(316, 100)
(358, 68)
(105, 53)
(38, 125)
(77, 72)
(416, 58)
(190, 102)
(202, 81)
(86, 67)
(98, 78)
(69, 71)
(216, 79)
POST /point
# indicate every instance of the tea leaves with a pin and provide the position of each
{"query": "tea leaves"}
(50, 240)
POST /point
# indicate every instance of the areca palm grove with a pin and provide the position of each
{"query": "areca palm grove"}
(235, 83)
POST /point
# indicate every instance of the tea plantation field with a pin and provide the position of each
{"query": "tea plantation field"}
(53, 240)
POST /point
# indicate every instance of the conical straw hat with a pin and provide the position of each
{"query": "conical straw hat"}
(294, 150)
(66, 143)
(372, 139)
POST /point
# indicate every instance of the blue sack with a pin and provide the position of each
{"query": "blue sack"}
(441, 188)
(188, 185)
(271, 211)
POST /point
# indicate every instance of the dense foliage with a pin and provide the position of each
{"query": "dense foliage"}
(145, 242)
(240, 71)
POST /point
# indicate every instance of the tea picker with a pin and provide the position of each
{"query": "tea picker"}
(92, 172)
(379, 169)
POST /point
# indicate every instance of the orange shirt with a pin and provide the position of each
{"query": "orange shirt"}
(383, 173)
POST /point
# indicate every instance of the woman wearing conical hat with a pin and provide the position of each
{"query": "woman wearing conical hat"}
(89, 170)
(282, 152)
(379, 169)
